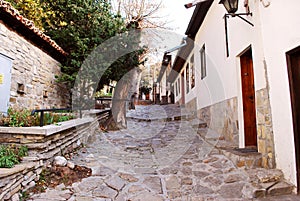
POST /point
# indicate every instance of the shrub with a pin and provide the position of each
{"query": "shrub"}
(18, 118)
(11, 155)
(23, 118)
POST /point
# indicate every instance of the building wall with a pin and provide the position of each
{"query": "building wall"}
(222, 117)
(281, 33)
(275, 32)
(219, 94)
(35, 70)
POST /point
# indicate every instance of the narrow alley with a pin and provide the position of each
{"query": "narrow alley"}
(162, 155)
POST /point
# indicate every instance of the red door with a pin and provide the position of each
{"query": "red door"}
(248, 91)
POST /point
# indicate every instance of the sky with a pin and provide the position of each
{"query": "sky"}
(179, 16)
(174, 12)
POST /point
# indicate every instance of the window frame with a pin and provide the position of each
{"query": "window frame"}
(203, 62)
(192, 73)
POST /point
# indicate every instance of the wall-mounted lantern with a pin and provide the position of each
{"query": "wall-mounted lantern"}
(231, 7)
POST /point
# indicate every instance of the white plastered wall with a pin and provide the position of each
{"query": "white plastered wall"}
(276, 30)
(281, 33)
(223, 73)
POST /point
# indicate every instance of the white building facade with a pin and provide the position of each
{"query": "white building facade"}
(246, 95)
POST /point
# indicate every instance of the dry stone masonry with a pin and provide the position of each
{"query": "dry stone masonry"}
(43, 143)
(33, 73)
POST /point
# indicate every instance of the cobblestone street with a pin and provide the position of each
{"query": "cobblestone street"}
(160, 156)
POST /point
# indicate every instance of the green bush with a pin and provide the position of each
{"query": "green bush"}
(18, 118)
(11, 155)
(23, 118)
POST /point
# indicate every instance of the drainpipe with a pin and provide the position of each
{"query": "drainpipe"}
(189, 5)
(172, 50)
(177, 47)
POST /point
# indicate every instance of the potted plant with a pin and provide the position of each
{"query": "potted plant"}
(146, 90)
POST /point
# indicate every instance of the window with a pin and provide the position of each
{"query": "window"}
(187, 77)
(192, 72)
(179, 85)
(203, 62)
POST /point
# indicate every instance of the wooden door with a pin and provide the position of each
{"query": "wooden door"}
(182, 89)
(248, 91)
(293, 60)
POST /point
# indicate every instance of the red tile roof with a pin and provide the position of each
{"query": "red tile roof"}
(11, 16)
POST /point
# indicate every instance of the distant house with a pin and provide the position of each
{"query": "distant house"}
(164, 90)
(247, 89)
(29, 61)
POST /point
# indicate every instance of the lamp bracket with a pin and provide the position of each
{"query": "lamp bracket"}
(240, 16)
(234, 15)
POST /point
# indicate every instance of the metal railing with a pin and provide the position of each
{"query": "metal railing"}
(42, 111)
(101, 114)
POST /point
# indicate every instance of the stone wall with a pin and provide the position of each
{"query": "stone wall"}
(43, 143)
(192, 106)
(265, 129)
(223, 118)
(33, 69)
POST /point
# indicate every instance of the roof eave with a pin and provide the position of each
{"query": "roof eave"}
(19, 24)
(195, 23)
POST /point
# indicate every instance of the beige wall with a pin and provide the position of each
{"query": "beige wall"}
(34, 69)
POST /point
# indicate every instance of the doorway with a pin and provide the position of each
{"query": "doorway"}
(248, 95)
(5, 82)
(293, 63)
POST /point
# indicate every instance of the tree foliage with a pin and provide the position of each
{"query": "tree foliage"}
(31, 9)
(79, 26)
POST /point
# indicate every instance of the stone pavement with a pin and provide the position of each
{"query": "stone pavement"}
(157, 159)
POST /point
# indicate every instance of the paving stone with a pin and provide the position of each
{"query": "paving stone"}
(102, 171)
(201, 190)
(172, 182)
(146, 196)
(135, 188)
(115, 182)
(154, 183)
(210, 159)
(213, 180)
(200, 174)
(168, 170)
(128, 177)
(187, 164)
(105, 192)
(234, 178)
(233, 190)
(186, 181)
(187, 171)
(88, 184)
(174, 194)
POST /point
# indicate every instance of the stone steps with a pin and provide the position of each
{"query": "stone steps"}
(269, 182)
(245, 160)
(265, 182)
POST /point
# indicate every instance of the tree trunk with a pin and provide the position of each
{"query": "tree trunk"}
(121, 96)
(135, 82)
